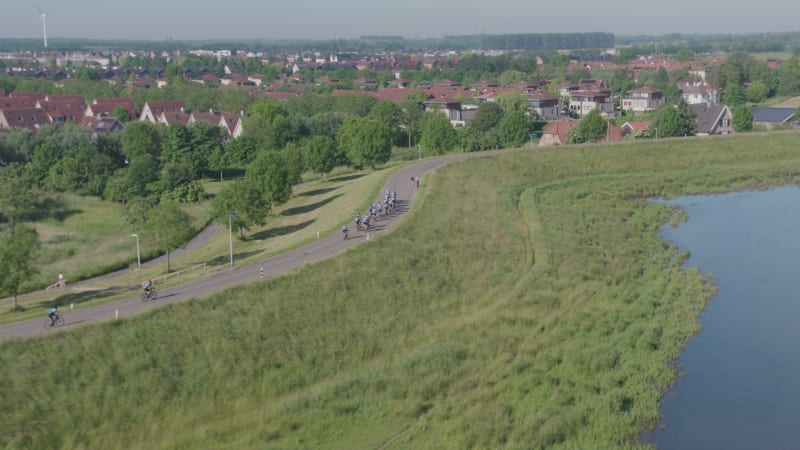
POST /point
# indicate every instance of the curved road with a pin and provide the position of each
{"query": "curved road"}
(275, 266)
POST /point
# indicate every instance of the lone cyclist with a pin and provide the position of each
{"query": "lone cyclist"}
(53, 315)
(147, 286)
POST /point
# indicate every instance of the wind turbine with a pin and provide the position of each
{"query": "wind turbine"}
(43, 16)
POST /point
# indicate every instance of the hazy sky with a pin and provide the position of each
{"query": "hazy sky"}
(326, 19)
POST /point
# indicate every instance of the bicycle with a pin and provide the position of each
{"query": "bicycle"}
(150, 295)
(58, 321)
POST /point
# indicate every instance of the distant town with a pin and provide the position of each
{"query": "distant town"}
(41, 88)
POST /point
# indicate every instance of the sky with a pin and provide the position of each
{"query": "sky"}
(333, 19)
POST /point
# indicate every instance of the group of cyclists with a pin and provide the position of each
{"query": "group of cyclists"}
(374, 211)
(56, 319)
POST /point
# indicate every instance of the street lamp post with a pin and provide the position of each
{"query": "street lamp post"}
(138, 255)
(230, 231)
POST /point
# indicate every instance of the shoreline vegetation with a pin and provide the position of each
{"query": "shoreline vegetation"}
(528, 301)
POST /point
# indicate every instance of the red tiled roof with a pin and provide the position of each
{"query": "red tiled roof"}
(638, 125)
(560, 128)
(161, 106)
(106, 106)
(30, 118)
(172, 117)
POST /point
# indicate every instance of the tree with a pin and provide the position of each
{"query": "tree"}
(438, 135)
(258, 123)
(17, 197)
(320, 154)
(170, 227)
(244, 198)
(789, 77)
(514, 129)
(241, 151)
(271, 176)
(592, 128)
(487, 117)
(513, 101)
(141, 138)
(412, 116)
(121, 114)
(733, 95)
(675, 121)
(757, 92)
(18, 257)
(390, 115)
(742, 119)
(365, 141)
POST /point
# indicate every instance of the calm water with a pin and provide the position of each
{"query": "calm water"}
(741, 383)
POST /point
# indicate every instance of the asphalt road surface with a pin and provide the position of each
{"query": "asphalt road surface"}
(322, 248)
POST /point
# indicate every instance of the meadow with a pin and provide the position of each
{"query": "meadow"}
(526, 302)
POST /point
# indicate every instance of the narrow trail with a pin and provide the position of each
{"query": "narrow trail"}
(325, 247)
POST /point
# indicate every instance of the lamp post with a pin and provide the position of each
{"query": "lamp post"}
(230, 231)
(138, 255)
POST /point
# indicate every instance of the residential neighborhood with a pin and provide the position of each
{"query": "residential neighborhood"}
(298, 74)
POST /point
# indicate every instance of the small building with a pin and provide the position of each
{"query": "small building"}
(152, 110)
(713, 119)
(450, 108)
(583, 102)
(773, 117)
(543, 104)
(643, 99)
(557, 132)
(700, 92)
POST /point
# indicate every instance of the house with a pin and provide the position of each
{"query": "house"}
(30, 118)
(174, 118)
(643, 99)
(544, 105)
(256, 79)
(700, 92)
(712, 119)
(637, 128)
(152, 110)
(450, 108)
(565, 89)
(582, 102)
(22, 100)
(232, 123)
(773, 117)
(104, 107)
(366, 84)
(557, 132)
(101, 126)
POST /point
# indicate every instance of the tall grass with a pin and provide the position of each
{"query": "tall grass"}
(528, 302)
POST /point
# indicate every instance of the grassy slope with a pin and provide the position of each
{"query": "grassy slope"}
(527, 303)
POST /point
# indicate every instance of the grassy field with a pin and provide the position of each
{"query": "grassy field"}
(527, 302)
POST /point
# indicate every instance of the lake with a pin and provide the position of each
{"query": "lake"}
(740, 387)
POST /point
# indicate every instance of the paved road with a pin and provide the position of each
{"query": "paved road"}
(275, 266)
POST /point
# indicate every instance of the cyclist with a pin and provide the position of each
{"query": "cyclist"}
(147, 286)
(53, 315)
(357, 221)
(344, 231)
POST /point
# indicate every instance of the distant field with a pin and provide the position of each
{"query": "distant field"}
(526, 302)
